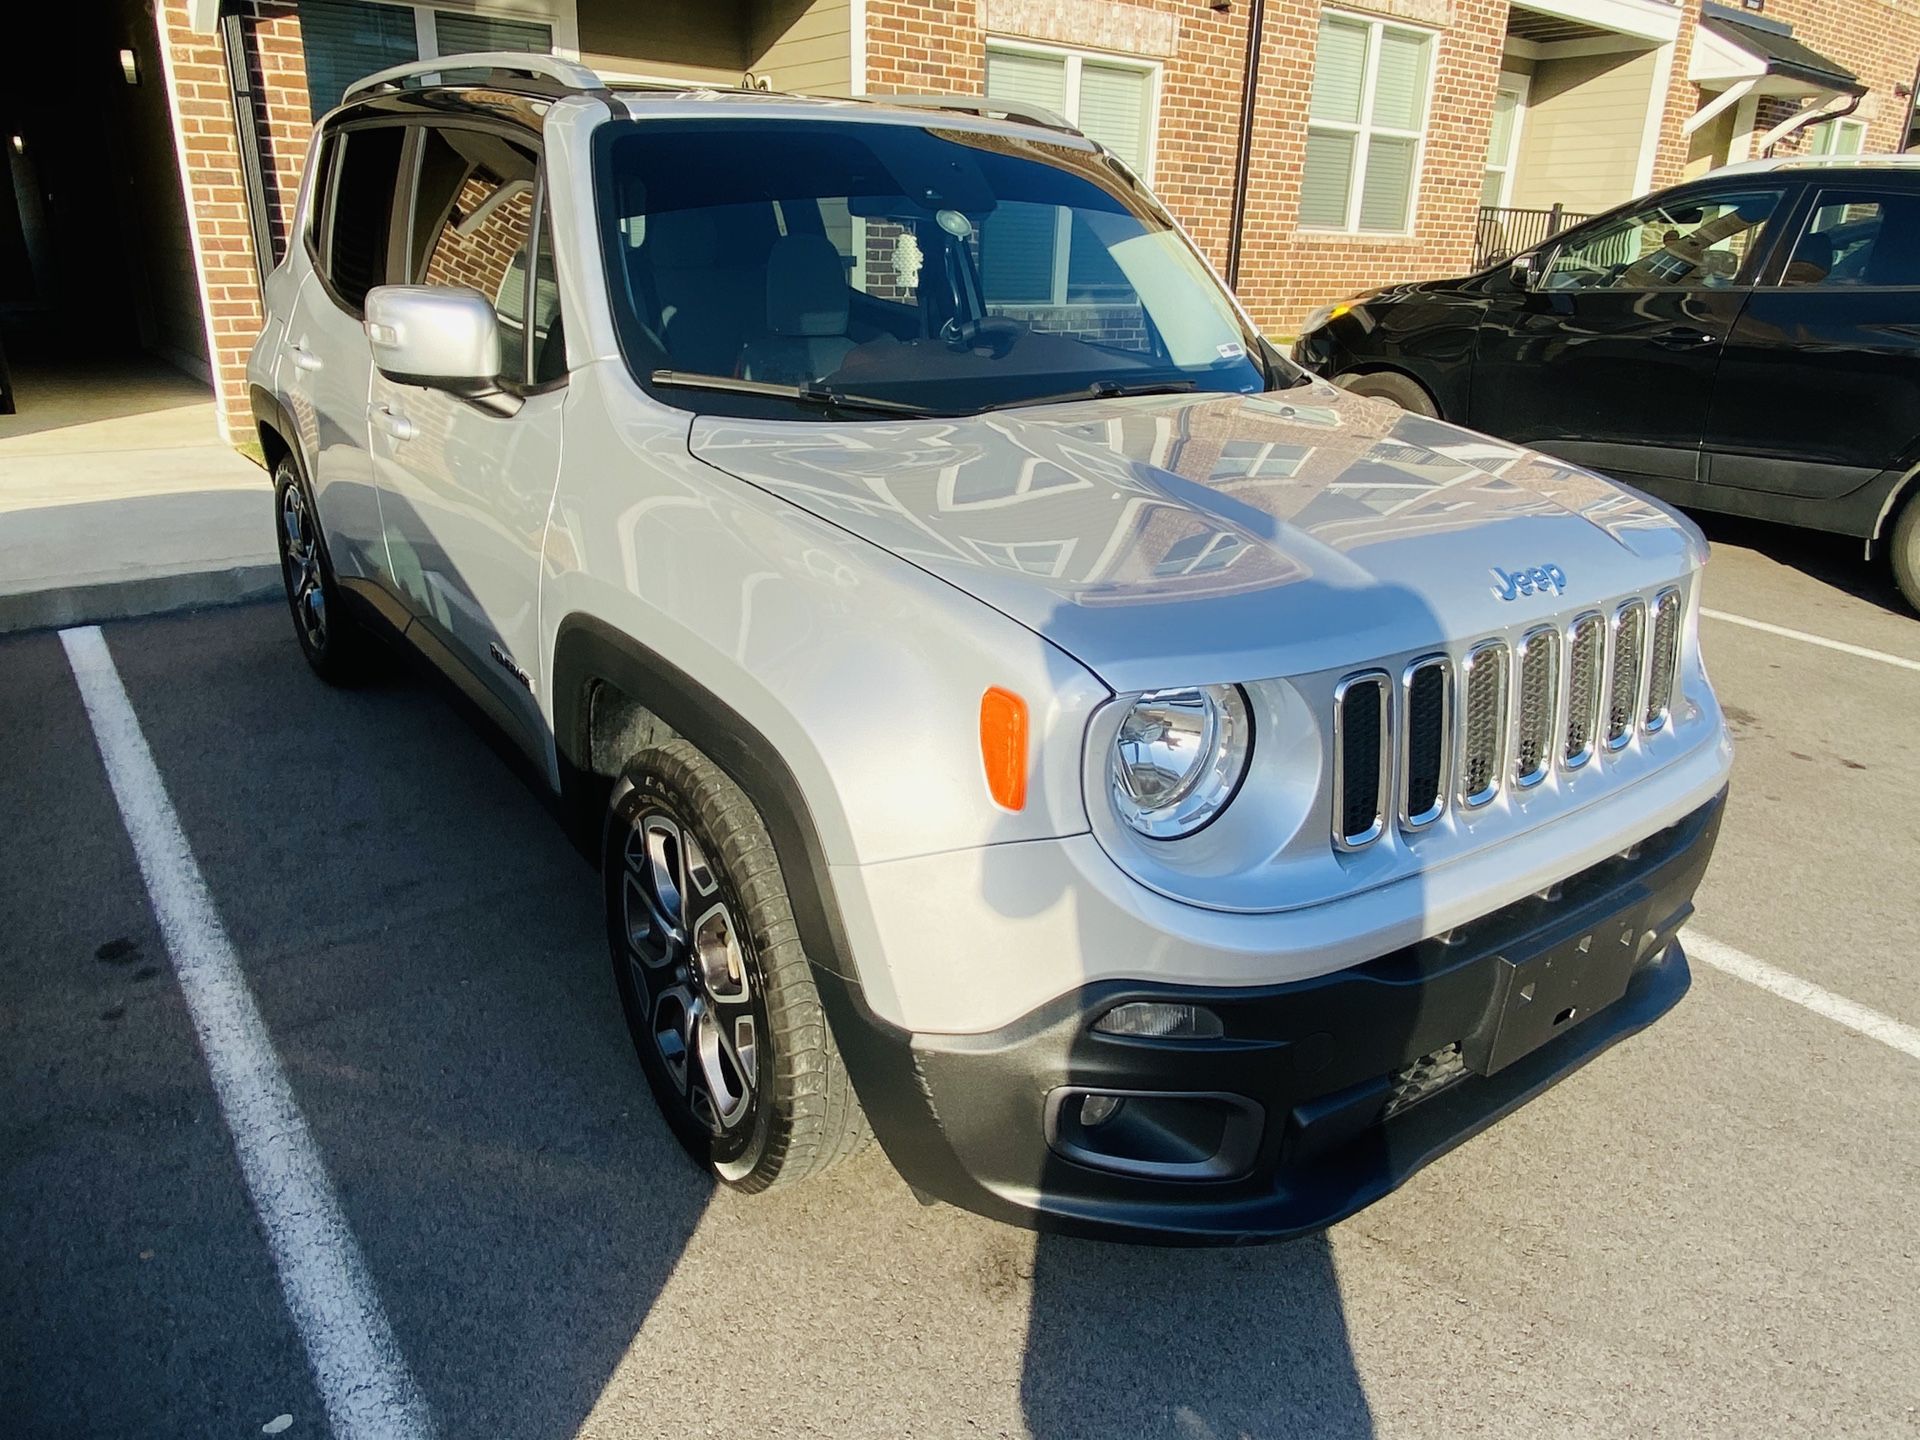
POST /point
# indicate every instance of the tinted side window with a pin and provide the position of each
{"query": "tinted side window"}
(360, 211)
(1678, 244)
(1858, 238)
(549, 336)
(473, 223)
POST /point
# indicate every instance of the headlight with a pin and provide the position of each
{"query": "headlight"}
(1178, 757)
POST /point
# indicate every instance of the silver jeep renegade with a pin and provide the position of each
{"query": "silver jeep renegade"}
(1018, 715)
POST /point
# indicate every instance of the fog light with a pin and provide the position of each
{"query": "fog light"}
(1097, 1109)
(1155, 1020)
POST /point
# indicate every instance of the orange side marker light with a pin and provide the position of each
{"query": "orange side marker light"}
(1003, 747)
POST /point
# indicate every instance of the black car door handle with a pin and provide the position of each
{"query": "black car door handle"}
(1682, 339)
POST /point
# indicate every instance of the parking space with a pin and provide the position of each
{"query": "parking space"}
(1708, 1230)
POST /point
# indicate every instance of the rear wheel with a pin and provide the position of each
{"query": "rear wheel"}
(718, 992)
(1407, 393)
(1904, 549)
(330, 638)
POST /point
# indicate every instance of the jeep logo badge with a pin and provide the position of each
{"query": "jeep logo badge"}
(1538, 580)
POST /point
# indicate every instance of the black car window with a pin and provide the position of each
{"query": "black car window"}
(1675, 244)
(473, 226)
(1858, 238)
(359, 216)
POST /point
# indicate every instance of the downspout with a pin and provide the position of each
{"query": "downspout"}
(1800, 119)
(246, 133)
(1243, 163)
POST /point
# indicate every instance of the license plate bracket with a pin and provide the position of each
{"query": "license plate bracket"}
(1542, 995)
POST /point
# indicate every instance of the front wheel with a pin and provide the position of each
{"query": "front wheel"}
(718, 991)
(1904, 550)
(1401, 390)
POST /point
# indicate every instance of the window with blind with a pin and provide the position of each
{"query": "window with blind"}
(344, 40)
(1032, 253)
(1366, 121)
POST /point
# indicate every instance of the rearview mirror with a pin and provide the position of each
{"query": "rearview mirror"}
(444, 337)
(1521, 271)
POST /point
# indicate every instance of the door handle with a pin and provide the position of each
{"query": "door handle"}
(305, 359)
(393, 422)
(1682, 339)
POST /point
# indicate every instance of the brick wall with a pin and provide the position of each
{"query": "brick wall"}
(211, 173)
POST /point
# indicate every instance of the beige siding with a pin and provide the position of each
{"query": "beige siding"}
(681, 39)
(1585, 119)
(803, 44)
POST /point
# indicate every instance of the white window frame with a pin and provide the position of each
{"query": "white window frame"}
(1841, 125)
(1364, 131)
(1520, 87)
(563, 20)
(1075, 58)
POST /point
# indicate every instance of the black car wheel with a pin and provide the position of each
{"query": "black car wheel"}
(329, 637)
(1407, 393)
(718, 991)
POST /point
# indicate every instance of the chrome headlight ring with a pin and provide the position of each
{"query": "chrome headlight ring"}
(1178, 758)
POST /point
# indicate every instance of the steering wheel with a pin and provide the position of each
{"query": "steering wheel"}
(993, 333)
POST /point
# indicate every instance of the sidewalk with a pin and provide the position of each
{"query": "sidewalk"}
(118, 497)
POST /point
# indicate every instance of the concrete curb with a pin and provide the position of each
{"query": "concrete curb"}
(130, 599)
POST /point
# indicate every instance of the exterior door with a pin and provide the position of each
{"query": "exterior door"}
(327, 365)
(1819, 391)
(465, 484)
(1608, 358)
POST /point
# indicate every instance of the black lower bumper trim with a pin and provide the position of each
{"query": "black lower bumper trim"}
(1359, 1077)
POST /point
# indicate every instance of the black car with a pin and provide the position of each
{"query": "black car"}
(1748, 342)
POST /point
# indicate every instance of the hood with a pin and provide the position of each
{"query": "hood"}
(1211, 538)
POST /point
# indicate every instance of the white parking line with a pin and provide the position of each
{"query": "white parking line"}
(362, 1378)
(1822, 641)
(1855, 1016)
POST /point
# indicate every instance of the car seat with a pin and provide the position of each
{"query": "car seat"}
(807, 313)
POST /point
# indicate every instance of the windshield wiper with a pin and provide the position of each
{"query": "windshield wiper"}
(1098, 390)
(812, 393)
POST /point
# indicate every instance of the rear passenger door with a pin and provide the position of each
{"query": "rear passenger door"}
(465, 484)
(327, 366)
(1819, 389)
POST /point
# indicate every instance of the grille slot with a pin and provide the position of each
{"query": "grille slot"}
(1586, 669)
(1623, 683)
(1483, 729)
(1360, 759)
(1427, 707)
(1539, 671)
(1665, 652)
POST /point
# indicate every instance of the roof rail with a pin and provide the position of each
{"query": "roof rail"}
(982, 105)
(568, 74)
(1773, 163)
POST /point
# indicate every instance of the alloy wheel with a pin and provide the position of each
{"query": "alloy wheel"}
(689, 971)
(300, 554)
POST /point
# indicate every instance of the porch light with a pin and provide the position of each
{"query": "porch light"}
(130, 67)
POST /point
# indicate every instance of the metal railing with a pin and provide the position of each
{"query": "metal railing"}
(1504, 231)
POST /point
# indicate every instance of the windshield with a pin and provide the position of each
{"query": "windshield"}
(783, 267)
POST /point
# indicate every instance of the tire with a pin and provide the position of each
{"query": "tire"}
(1403, 391)
(696, 958)
(1904, 550)
(332, 640)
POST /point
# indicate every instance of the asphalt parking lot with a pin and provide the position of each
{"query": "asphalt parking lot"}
(1710, 1230)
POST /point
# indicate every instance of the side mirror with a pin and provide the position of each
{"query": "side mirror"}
(443, 337)
(1521, 271)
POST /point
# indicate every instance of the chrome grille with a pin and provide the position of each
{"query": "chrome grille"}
(1623, 684)
(1665, 652)
(1426, 701)
(1360, 709)
(1586, 662)
(1538, 666)
(1483, 730)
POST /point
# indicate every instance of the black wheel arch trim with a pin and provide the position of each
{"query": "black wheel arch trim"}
(878, 1055)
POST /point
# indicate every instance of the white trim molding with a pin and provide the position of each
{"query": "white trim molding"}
(1656, 118)
(1655, 20)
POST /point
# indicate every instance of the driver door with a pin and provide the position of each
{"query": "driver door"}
(1607, 358)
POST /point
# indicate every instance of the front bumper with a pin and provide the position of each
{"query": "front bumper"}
(1319, 1097)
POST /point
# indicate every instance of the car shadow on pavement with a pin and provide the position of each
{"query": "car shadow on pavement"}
(1835, 560)
(1190, 1344)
